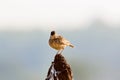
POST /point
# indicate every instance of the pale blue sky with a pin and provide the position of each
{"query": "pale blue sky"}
(30, 14)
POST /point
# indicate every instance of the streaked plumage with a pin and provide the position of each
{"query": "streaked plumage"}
(58, 42)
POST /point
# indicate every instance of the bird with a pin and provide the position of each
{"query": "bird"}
(58, 42)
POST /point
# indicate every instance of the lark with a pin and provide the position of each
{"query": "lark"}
(58, 42)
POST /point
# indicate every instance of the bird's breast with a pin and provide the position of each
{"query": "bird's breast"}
(54, 43)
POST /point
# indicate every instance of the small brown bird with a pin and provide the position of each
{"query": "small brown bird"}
(58, 42)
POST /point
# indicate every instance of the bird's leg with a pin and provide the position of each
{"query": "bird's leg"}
(58, 51)
(61, 51)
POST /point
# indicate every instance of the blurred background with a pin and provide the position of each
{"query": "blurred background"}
(93, 26)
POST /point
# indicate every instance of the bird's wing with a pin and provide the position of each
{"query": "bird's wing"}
(62, 40)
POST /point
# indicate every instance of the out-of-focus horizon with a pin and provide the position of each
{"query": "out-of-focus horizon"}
(26, 55)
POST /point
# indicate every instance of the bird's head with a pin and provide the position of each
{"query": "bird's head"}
(52, 33)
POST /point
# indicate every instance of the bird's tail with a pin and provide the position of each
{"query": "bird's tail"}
(71, 45)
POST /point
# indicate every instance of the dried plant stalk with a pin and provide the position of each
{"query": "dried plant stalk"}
(59, 69)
